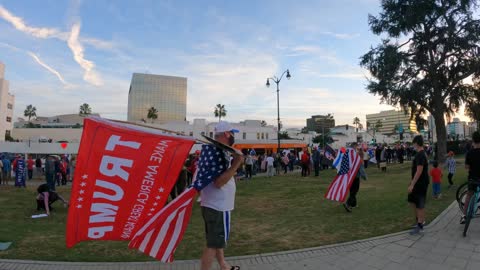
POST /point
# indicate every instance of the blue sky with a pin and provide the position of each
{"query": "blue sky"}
(60, 54)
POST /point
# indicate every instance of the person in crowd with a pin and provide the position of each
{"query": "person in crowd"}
(383, 159)
(291, 161)
(7, 170)
(72, 164)
(19, 167)
(46, 197)
(436, 174)
(38, 165)
(284, 163)
(355, 187)
(30, 164)
(400, 154)
(378, 155)
(366, 159)
(269, 163)
(248, 166)
(316, 160)
(305, 161)
(50, 173)
(278, 163)
(180, 184)
(417, 189)
(451, 165)
(472, 161)
(218, 197)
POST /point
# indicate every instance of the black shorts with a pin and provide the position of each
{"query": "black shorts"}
(418, 197)
(217, 227)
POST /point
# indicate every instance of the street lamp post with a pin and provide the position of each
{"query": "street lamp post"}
(277, 80)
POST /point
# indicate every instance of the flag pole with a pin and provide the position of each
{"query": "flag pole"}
(208, 141)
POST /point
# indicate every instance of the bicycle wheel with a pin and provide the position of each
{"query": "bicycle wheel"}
(461, 200)
(460, 190)
(470, 212)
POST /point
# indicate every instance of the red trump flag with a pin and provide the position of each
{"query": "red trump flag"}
(123, 177)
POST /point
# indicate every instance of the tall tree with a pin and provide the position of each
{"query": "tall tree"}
(263, 123)
(427, 71)
(220, 111)
(30, 112)
(356, 122)
(152, 114)
(472, 108)
(85, 110)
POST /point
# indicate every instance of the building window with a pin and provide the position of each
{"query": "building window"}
(9, 119)
(10, 106)
(211, 134)
(7, 133)
(203, 133)
(267, 136)
(191, 133)
(263, 136)
(244, 135)
(258, 136)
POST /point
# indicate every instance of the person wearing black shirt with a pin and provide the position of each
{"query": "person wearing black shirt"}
(472, 162)
(47, 197)
(417, 190)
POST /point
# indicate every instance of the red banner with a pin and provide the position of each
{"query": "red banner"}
(123, 176)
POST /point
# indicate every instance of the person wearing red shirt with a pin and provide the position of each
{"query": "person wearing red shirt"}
(436, 174)
(30, 164)
(305, 160)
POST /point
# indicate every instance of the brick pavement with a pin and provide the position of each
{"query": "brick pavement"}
(440, 247)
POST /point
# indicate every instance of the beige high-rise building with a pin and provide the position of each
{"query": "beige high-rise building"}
(392, 118)
(167, 94)
(7, 103)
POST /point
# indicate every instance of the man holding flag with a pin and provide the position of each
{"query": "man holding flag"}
(216, 180)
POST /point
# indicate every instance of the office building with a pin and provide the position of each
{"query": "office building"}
(320, 123)
(392, 119)
(456, 129)
(167, 94)
(7, 104)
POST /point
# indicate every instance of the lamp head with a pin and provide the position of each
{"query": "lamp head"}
(288, 75)
(268, 83)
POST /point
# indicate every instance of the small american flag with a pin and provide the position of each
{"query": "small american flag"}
(347, 164)
(160, 236)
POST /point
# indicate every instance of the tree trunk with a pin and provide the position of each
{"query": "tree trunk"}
(441, 136)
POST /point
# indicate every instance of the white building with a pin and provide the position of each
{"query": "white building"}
(251, 135)
(7, 104)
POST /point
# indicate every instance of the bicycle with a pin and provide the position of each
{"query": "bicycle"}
(472, 209)
(461, 195)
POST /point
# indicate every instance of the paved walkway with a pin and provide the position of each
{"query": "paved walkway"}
(440, 247)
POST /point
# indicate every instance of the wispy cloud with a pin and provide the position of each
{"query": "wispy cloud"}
(77, 49)
(340, 35)
(72, 38)
(19, 24)
(53, 71)
(11, 47)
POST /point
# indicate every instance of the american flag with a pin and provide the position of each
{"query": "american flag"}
(160, 236)
(347, 164)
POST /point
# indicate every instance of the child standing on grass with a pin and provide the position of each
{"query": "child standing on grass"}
(436, 174)
(451, 166)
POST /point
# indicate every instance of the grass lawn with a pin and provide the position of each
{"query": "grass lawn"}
(272, 214)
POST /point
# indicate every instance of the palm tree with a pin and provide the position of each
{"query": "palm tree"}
(220, 111)
(378, 125)
(30, 112)
(152, 114)
(356, 122)
(263, 123)
(85, 110)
